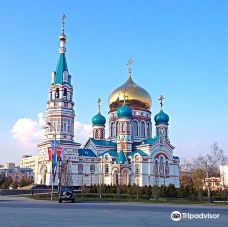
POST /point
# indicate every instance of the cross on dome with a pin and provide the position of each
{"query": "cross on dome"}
(130, 61)
(99, 104)
(161, 100)
(63, 22)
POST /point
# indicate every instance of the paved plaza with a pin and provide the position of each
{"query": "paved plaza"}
(19, 211)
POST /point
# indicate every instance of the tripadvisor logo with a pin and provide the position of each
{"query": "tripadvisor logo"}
(176, 216)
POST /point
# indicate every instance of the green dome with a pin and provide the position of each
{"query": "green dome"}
(161, 118)
(98, 120)
(124, 112)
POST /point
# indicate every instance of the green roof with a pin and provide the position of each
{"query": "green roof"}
(140, 152)
(110, 152)
(121, 158)
(107, 143)
(147, 141)
(86, 152)
(60, 68)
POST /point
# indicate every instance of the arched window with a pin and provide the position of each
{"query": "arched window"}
(148, 129)
(156, 167)
(100, 134)
(128, 127)
(122, 126)
(80, 168)
(166, 168)
(142, 129)
(161, 166)
(134, 126)
(96, 133)
(125, 126)
(65, 93)
(117, 128)
(112, 129)
(57, 93)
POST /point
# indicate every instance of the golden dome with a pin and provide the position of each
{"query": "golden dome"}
(137, 97)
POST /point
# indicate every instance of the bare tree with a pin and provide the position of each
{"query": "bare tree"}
(204, 166)
(208, 165)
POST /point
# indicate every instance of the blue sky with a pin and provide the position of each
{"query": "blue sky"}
(180, 50)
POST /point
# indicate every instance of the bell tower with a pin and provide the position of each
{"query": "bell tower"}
(60, 106)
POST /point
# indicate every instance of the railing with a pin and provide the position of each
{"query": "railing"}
(23, 191)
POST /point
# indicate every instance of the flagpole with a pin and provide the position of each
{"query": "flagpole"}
(52, 185)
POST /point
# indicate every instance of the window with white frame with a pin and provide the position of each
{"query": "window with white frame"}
(161, 165)
(156, 167)
(80, 168)
(106, 168)
(134, 130)
(137, 168)
(166, 168)
(92, 168)
(148, 129)
(142, 129)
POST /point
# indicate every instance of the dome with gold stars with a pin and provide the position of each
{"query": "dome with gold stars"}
(136, 97)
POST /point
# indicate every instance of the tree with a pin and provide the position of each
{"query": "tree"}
(25, 181)
(208, 166)
(2, 179)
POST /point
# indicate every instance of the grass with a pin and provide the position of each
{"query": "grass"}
(95, 197)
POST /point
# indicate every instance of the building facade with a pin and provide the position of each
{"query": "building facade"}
(130, 154)
(16, 172)
(224, 175)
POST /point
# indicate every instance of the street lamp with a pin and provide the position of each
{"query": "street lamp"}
(149, 179)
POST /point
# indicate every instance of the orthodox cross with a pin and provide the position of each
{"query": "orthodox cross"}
(63, 22)
(124, 95)
(99, 105)
(161, 101)
(130, 61)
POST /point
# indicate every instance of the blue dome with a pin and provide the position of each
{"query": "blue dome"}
(124, 112)
(98, 120)
(161, 117)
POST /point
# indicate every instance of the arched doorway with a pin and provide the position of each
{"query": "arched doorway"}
(125, 177)
(115, 178)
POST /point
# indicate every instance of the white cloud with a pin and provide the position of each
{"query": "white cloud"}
(82, 132)
(29, 132)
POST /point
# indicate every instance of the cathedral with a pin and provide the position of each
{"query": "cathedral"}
(129, 154)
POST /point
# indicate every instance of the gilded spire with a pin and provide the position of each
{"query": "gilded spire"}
(161, 100)
(130, 61)
(99, 105)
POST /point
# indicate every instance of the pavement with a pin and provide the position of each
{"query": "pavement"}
(23, 212)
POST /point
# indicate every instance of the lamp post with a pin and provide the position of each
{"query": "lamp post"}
(149, 179)
(52, 185)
